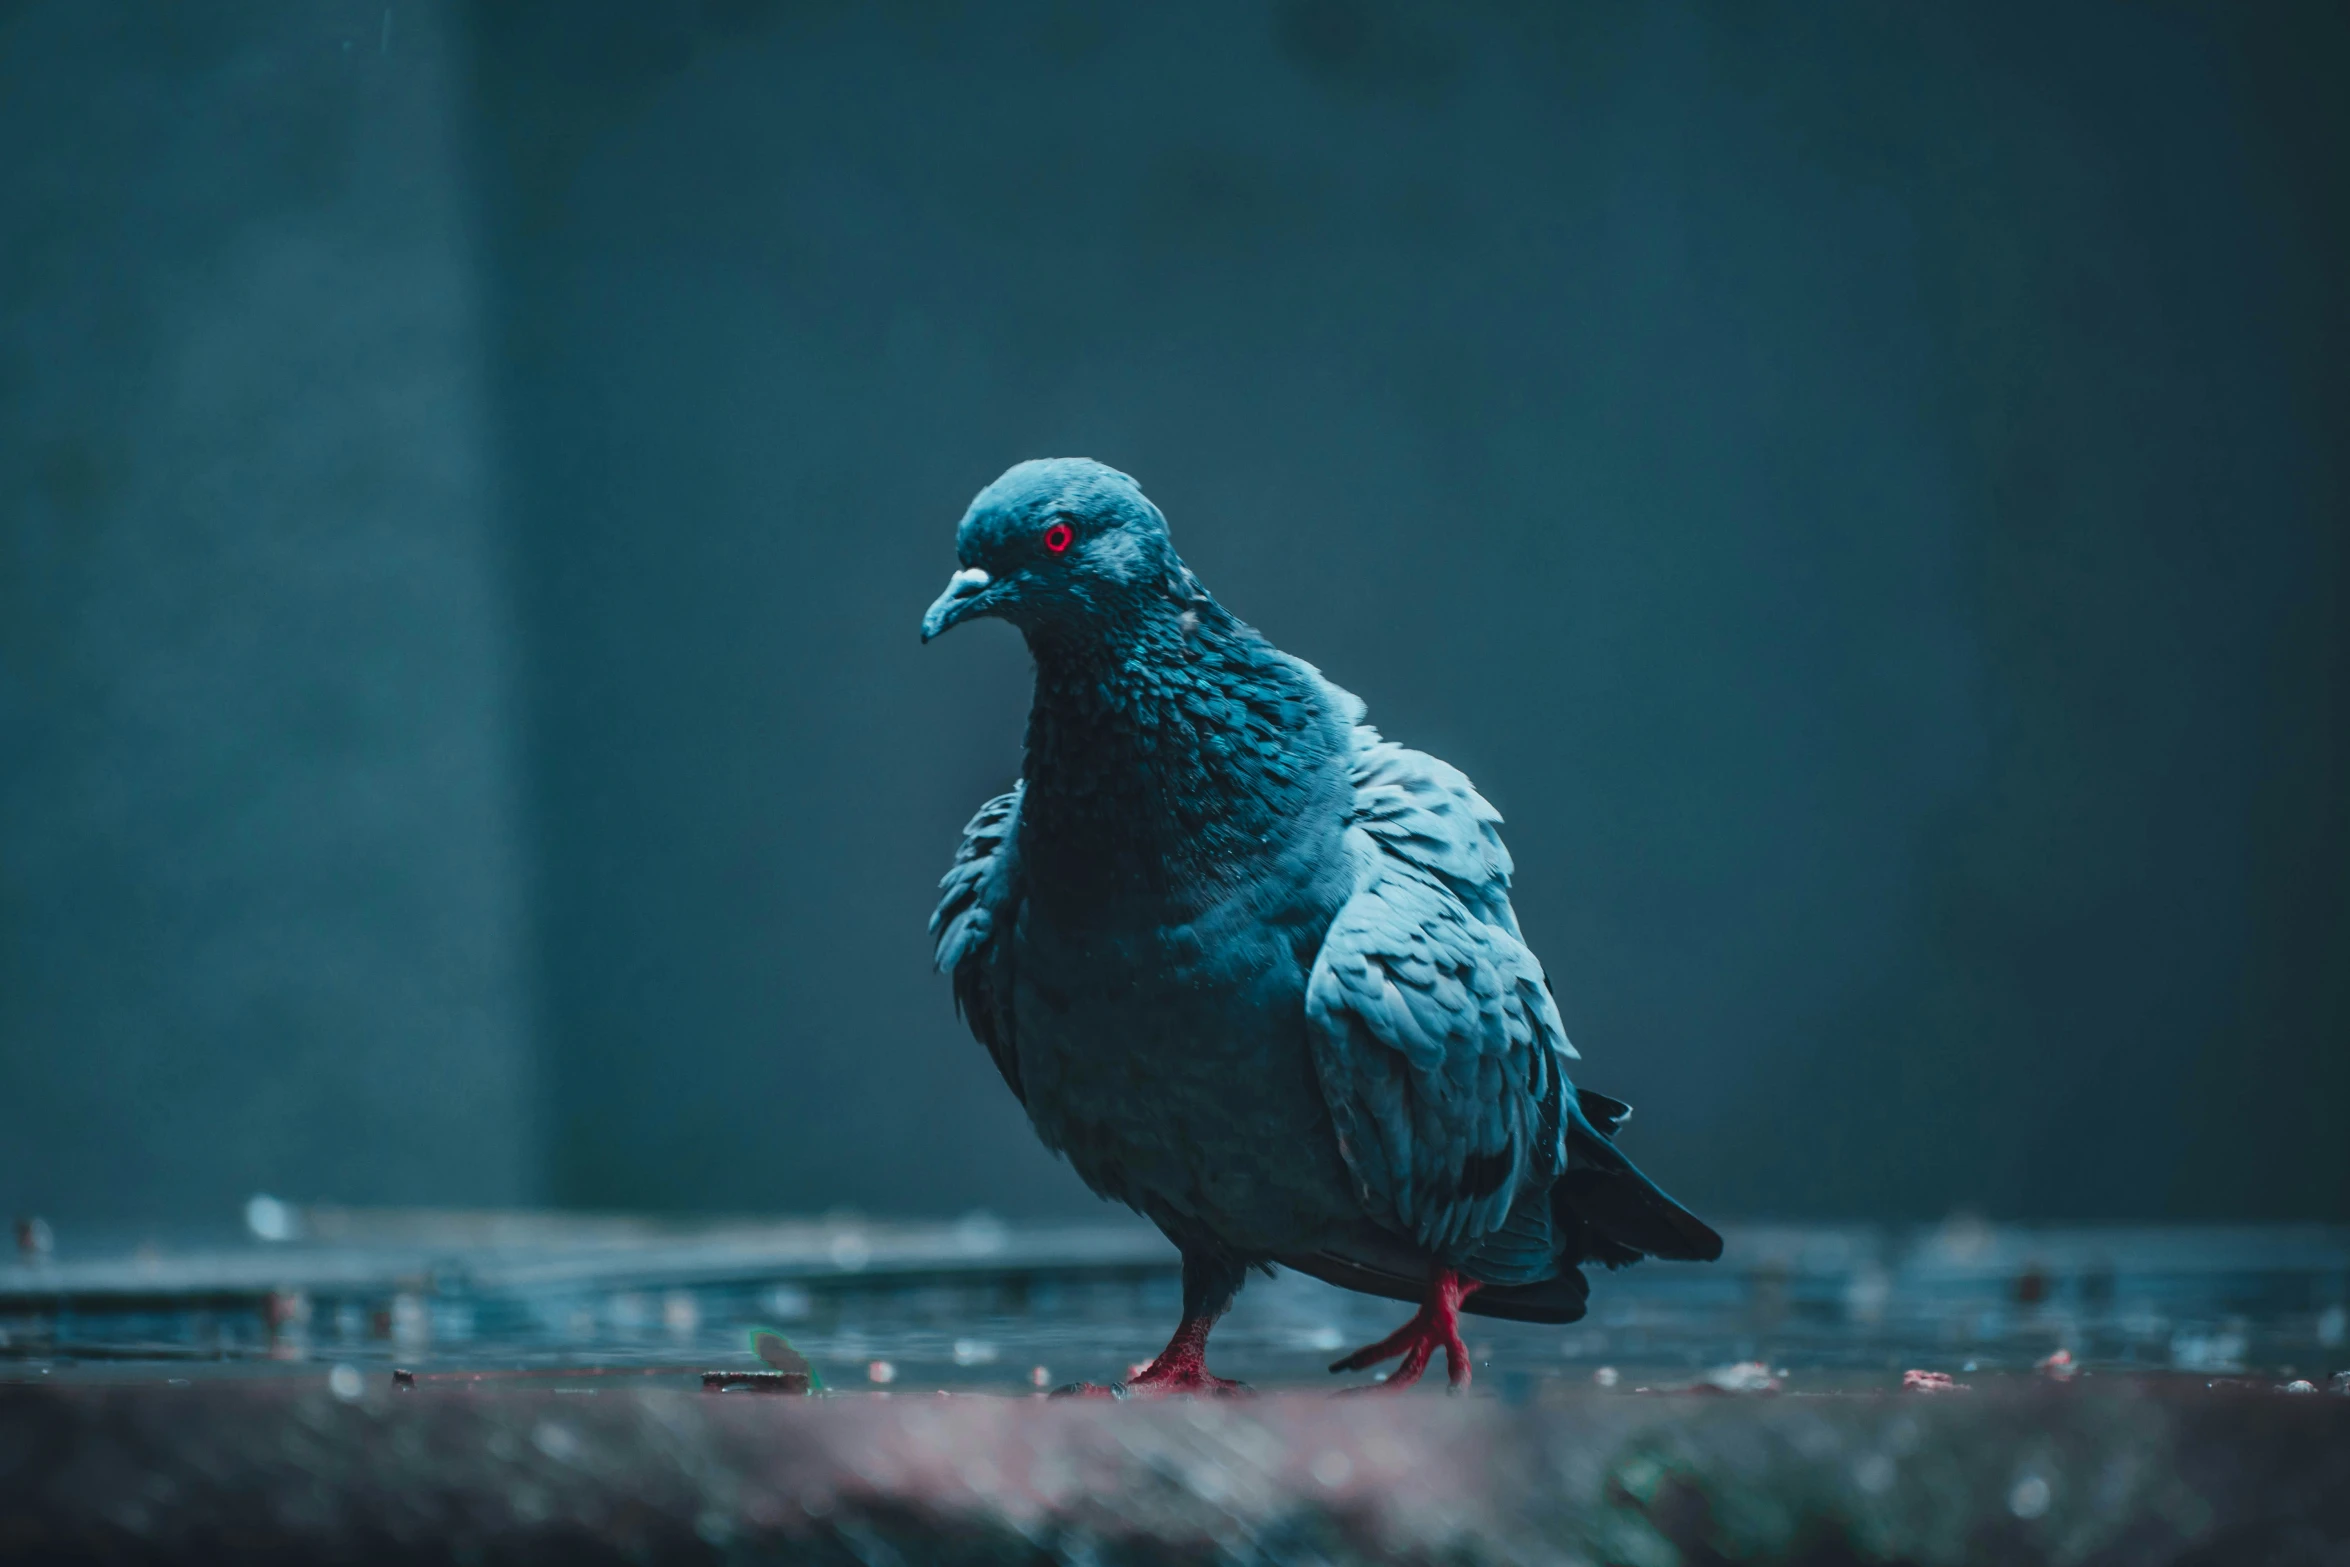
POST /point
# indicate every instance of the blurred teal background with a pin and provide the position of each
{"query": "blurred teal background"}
(1863, 488)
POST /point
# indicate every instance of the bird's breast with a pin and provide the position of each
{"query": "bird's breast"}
(1169, 1059)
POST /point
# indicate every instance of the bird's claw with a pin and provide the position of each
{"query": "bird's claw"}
(1179, 1369)
(1154, 1383)
(1146, 1386)
(1435, 1326)
(1417, 1343)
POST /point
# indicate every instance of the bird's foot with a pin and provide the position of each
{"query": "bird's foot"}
(1180, 1369)
(1167, 1376)
(1436, 1325)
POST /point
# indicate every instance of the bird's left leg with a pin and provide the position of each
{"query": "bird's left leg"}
(1436, 1325)
(1182, 1367)
(1210, 1281)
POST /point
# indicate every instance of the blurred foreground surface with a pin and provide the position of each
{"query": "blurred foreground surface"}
(168, 1397)
(2108, 1472)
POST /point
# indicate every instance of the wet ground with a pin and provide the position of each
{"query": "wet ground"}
(978, 1305)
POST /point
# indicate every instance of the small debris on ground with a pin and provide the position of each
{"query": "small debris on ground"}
(755, 1381)
(1931, 1382)
(1747, 1376)
(777, 1352)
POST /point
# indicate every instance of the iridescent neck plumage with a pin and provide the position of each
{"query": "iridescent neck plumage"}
(1168, 750)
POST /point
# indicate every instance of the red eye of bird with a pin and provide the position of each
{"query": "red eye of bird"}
(1057, 537)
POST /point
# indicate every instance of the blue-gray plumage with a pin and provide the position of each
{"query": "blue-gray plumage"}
(1252, 969)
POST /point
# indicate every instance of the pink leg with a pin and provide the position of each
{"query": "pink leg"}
(1436, 1325)
(1182, 1367)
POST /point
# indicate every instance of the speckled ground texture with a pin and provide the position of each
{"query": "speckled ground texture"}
(284, 1469)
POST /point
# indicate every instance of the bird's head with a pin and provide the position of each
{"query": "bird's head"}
(1059, 542)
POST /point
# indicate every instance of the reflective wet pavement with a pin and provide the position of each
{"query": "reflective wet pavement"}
(976, 1304)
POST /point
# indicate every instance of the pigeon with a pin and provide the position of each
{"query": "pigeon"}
(1253, 970)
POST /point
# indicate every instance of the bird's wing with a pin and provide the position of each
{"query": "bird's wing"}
(1439, 1049)
(979, 899)
(1426, 813)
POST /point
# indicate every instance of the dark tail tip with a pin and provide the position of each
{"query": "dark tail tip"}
(1626, 1207)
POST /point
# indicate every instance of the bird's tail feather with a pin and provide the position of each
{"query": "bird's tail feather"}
(1607, 1192)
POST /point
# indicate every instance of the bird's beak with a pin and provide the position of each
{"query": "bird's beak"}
(966, 595)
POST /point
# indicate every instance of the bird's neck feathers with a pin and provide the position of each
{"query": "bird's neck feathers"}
(1171, 749)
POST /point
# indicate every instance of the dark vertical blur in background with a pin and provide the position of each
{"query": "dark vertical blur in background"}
(1863, 488)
